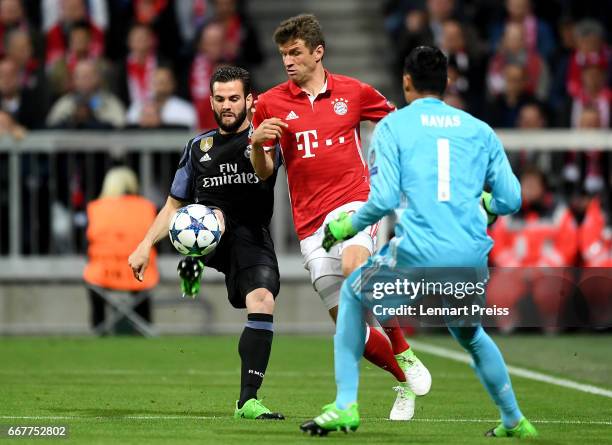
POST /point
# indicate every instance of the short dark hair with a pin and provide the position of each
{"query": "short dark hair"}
(228, 73)
(428, 68)
(303, 26)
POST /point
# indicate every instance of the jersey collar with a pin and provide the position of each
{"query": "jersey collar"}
(296, 90)
(427, 100)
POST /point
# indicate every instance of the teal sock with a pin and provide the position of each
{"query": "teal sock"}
(491, 370)
(349, 343)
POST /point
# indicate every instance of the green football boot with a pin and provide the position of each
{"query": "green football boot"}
(333, 419)
(254, 409)
(190, 272)
(524, 429)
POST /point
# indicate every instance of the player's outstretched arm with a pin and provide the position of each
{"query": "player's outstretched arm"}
(385, 178)
(139, 259)
(485, 199)
(262, 156)
(505, 187)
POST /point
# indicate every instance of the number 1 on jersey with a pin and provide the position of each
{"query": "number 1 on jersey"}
(443, 170)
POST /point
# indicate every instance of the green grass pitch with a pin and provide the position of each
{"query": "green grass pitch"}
(177, 390)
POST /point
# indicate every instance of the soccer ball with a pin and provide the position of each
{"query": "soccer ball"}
(194, 230)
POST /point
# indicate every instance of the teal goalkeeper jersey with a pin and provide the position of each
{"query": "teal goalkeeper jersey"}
(429, 163)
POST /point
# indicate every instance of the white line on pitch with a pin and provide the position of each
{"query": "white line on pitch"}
(514, 370)
(189, 417)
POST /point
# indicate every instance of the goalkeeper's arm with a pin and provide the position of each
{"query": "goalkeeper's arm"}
(384, 196)
(485, 199)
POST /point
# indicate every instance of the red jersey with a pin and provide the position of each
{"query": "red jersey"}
(321, 148)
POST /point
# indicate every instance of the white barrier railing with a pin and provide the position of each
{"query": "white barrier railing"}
(154, 156)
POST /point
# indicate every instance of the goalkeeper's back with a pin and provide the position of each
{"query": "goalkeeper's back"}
(445, 157)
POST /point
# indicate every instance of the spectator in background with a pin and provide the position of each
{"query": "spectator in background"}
(560, 64)
(72, 13)
(173, 111)
(543, 234)
(513, 50)
(538, 34)
(438, 12)
(206, 61)
(149, 117)
(465, 65)
(594, 232)
(112, 239)
(97, 13)
(88, 106)
(531, 116)
(160, 17)
(395, 12)
(591, 50)
(415, 32)
(503, 110)
(594, 93)
(454, 100)
(595, 249)
(191, 16)
(241, 43)
(12, 18)
(136, 74)
(25, 106)
(60, 73)
(8, 127)
(19, 49)
(583, 170)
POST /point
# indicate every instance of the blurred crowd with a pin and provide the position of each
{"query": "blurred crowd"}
(520, 64)
(530, 64)
(104, 64)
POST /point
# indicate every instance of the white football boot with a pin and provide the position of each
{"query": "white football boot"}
(403, 408)
(418, 377)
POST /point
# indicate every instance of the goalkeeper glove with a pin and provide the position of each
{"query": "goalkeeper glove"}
(190, 272)
(485, 199)
(338, 230)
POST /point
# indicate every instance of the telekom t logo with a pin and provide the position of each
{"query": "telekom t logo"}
(307, 142)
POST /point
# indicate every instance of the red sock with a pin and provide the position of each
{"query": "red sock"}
(378, 351)
(396, 335)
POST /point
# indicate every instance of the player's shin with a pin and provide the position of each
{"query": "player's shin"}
(348, 346)
(396, 336)
(491, 370)
(378, 351)
(254, 348)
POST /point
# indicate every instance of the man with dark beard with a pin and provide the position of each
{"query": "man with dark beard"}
(215, 170)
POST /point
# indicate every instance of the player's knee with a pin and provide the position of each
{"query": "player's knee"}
(352, 258)
(466, 336)
(350, 264)
(260, 301)
(333, 313)
(220, 219)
